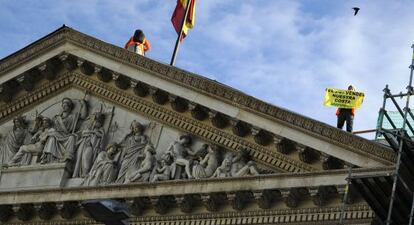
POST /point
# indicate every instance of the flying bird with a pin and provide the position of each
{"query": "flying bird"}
(356, 9)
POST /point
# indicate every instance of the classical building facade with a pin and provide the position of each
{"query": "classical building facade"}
(82, 119)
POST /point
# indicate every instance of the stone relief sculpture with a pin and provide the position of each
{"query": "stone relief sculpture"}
(224, 170)
(177, 152)
(207, 165)
(143, 172)
(61, 145)
(44, 128)
(236, 165)
(78, 139)
(13, 140)
(241, 165)
(131, 145)
(104, 170)
(89, 145)
(162, 171)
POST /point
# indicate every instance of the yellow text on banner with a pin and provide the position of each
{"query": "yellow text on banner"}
(343, 98)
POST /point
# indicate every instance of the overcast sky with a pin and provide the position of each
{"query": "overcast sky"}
(284, 52)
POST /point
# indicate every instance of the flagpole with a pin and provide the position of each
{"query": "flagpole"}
(177, 43)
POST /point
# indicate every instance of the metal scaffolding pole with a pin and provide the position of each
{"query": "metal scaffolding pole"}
(345, 199)
(411, 212)
(400, 148)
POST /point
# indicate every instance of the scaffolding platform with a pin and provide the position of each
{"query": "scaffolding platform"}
(391, 194)
(377, 189)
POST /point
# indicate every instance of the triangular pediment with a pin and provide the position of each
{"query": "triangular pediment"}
(280, 138)
(170, 104)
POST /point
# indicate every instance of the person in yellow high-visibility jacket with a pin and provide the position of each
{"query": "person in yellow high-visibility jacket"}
(346, 115)
(138, 43)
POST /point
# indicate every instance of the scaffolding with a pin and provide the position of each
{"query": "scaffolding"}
(391, 195)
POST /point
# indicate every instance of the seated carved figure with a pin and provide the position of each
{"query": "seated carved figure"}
(105, 168)
(224, 170)
(177, 151)
(207, 165)
(24, 155)
(61, 145)
(144, 171)
(162, 172)
(248, 169)
(242, 166)
(236, 165)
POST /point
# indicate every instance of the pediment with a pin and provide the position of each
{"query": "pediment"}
(278, 140)
(283, 155)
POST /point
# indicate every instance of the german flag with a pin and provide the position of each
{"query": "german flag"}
(178, 16)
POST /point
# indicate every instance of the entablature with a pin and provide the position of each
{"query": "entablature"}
(284, 183)
(276, 195)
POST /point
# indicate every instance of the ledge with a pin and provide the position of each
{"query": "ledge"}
(184, 187)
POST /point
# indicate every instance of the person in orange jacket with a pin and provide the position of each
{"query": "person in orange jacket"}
(138, 43)
(347, 115)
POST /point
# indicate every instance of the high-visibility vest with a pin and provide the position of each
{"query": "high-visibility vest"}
(137, 47)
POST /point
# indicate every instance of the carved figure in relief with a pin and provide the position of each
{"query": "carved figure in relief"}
(207, 165)
(242, 166)
(249, 169)
(24, 155)
(132, 145)
(224, 170)
(105, 168)
(177, 151)
(13, 140)
(144, 171)
(89, 145)
(162, 171)
(61, 145)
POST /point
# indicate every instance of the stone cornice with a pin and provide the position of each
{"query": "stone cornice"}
(270, 216)
(186, 187)
(357, 214)
(205, 86)
(33, 50)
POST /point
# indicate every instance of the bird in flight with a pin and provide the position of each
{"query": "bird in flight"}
(356, 9)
